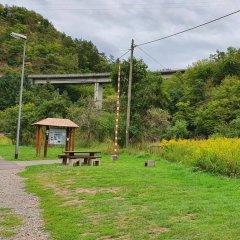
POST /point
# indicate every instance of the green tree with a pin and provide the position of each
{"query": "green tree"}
(86, 119)
(156, 123)
(10, 87)
(146, 94)
(178, 130)
(8, 122)
(221, 109)
(89, 58)
(173, 89)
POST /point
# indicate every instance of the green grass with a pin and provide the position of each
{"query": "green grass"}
(8, 223)
(124, 200)
(27, 153)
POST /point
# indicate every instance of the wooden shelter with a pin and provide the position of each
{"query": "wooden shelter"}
(55, 123)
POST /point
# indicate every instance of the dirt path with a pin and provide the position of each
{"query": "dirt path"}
(25, 205)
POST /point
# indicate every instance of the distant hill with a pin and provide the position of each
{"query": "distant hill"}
(48, 50)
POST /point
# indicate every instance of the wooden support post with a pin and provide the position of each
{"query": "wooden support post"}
(67, 139)
(46, 141)
(73, 139)
(70, 139)
(38, 140)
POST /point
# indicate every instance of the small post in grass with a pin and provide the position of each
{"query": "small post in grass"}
(149, 163)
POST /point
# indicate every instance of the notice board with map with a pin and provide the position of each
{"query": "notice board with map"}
(57, 136)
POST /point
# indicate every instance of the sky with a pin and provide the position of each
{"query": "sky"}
(112, 24)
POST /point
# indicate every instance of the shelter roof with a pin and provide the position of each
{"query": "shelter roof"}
(57, 122)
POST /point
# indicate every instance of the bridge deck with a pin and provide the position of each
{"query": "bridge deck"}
(87, 78)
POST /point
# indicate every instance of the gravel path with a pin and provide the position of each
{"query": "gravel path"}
(25, 205)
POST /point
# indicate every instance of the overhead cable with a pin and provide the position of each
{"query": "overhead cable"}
(189, 29)
(154, 59)
(124, 54)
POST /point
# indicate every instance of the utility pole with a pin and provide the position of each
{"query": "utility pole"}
(129, 95)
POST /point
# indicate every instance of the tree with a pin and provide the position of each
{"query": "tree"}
(10, 87)
(8, 122)
(178, 130)
(173, 89)
(89, 58)
(221, 109)
(87, 120)
(156, 123)
(146, 94)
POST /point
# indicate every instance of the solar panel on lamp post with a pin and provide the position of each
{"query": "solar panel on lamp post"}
(20, 36)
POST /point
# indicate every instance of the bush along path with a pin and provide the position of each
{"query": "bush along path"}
(19, 211)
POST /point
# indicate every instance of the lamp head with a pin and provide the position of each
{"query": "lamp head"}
(18, 36)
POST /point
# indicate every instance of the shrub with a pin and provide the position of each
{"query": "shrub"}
(178, 130)
(217, 156)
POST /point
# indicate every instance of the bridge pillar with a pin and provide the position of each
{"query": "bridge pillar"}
(98, 95)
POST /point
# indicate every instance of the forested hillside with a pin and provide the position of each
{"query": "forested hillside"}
(202, 102)
(48, 51)
(206, 98)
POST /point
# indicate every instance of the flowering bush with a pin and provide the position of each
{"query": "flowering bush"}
(218, 155)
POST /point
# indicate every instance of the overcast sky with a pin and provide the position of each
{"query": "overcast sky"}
(111, 24)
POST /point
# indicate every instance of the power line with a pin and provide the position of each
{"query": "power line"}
(124, 54)
(189, 29)
(154, 59)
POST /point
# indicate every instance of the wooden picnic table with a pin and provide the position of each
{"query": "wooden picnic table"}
(87, 156)
(90, 153)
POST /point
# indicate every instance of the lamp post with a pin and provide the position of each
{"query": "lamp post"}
(20, 36)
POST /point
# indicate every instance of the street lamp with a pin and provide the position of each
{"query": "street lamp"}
(20, 36)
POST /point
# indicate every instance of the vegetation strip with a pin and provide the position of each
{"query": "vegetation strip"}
(216, 155)
(8, 223)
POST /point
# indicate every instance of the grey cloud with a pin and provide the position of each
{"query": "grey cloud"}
(112, 24)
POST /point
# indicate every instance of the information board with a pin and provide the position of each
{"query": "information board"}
(57, 136)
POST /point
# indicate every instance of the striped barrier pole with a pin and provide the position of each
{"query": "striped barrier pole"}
(116, 147)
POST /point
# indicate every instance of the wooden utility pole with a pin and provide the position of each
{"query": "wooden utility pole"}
(129, 95)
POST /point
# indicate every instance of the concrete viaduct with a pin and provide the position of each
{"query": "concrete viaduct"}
(167, 73)
(98, 79)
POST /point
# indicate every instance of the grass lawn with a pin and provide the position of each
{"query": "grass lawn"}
(124, 200)
(8, 223)
(28, 152)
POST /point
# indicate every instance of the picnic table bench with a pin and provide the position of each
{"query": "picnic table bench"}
(80, 157)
